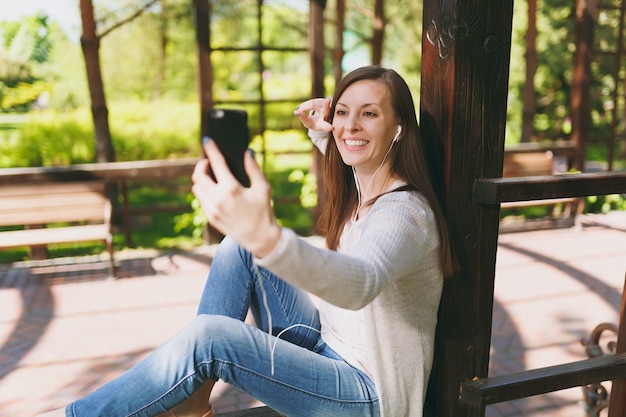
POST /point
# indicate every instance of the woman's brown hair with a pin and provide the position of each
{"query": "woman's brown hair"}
(408, 155)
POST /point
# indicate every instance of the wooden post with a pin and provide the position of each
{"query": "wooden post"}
(338, 52)
(581, 83)
(317, 52)
(530, 107)
(465, 67)
(205, 70)
(205, 83)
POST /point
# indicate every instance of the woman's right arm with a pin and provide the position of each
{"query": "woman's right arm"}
(314, 116)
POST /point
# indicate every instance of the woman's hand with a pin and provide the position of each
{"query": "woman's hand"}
(314, 114)
(243, 213)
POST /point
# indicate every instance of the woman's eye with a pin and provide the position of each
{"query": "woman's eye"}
(340, 112)
(369, 113)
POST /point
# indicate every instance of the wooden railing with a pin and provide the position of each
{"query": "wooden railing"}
(112, 172)
(480, 392)
(501, 190)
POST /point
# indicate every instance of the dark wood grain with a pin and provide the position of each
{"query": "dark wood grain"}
(543, 380)
(464, 86)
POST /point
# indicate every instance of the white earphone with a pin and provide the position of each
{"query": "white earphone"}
(397, 136)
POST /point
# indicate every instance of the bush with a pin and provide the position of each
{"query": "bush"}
(155, 130)
(49, 139)
(139, 130)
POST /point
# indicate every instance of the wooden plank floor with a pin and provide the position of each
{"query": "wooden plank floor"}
(66, 329)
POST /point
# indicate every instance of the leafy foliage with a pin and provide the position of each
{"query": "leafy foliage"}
(24, 46)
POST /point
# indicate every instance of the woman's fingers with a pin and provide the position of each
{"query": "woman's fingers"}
(314, 114)
(203, 183)
(243, 213)
(217, 162)
(253, 169)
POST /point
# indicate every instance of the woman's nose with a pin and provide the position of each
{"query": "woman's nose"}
(351, 124)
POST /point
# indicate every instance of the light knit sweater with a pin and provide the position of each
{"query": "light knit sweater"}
(380, 292)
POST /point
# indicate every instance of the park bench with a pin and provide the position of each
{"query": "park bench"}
(537, 160)
(55, 212)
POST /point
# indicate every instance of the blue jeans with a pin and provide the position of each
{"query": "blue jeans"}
(308, 378)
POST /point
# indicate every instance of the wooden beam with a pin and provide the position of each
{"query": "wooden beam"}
(543, 380)
(159, 168)
(465, 67)
(502, 190)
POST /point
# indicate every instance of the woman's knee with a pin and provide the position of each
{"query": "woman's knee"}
(210, 328)
(220, 338)
(210, 324)
(229, 247)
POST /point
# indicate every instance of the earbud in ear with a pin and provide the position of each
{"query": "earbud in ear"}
(397, 136)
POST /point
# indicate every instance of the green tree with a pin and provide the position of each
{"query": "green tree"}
(24, 46)
(158, 57)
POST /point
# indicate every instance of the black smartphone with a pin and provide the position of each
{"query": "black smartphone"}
(228, 128)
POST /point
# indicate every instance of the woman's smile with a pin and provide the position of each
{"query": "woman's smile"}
(355, 143)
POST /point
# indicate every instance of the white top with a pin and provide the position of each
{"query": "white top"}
(380, 292)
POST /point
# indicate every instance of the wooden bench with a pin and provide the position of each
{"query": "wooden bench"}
(56, 212)
(533, 160)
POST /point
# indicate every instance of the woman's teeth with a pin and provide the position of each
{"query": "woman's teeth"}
(354, 142)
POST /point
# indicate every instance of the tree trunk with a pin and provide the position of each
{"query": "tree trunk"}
(162, 65)
(529, 110)
(338, 51)
(379, 32)
(90, 43)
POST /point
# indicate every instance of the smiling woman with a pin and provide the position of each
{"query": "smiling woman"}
(379, 279)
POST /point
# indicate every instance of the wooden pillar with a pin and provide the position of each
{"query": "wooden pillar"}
(581, 82)
(338, 51)
(529, 107)
(378, 36)
(317, 52)
(465, 72)
(202, 10)
(205, 70)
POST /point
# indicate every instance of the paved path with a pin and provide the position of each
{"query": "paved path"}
(65, 329)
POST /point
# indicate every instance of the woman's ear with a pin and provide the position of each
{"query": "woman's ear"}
(397, 136)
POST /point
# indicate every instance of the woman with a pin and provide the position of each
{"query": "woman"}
(367, 350)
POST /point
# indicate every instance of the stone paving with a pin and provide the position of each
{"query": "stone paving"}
(65, 329)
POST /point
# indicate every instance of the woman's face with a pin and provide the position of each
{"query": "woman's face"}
(364, 124)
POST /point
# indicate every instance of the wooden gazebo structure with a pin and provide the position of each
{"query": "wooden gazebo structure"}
(465, 66)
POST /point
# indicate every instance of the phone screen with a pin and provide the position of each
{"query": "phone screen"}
(229, 129)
